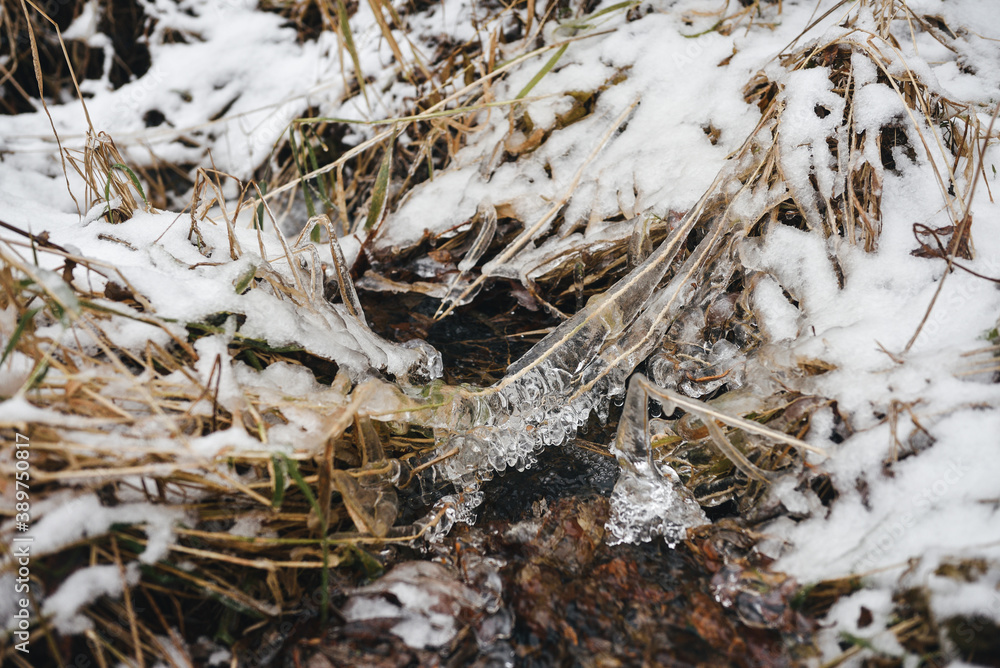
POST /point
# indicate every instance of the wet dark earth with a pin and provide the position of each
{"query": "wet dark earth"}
(535, 584)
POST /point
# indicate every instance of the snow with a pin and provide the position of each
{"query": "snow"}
(848, 616)
(65, 518)
(58, 523)
(427, 603)
(82, 587)
(817, 298)
(779, 317)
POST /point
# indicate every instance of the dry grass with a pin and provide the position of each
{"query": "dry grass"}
(122, 423)
(122, 426)
(950, 136)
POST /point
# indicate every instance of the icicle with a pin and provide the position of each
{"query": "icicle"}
(577, 370)
(649, 499)
(487, 230)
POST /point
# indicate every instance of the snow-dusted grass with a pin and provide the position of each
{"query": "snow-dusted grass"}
(177, 344)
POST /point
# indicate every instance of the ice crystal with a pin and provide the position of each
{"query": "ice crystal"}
(575, 371)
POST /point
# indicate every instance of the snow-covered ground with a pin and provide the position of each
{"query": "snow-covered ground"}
(916, 477)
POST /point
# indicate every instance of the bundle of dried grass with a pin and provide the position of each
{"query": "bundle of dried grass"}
(262, 531)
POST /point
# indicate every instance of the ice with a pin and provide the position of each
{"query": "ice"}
(646, 505)
(155, 257)
(855, 311)
(574, 372)
(649, 499)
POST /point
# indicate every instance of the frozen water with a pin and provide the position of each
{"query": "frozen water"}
(661, 162)
(577, 370)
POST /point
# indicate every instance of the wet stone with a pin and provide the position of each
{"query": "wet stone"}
(627, 605)
(547, 590)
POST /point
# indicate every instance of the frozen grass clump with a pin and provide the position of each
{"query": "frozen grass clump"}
(781, 251)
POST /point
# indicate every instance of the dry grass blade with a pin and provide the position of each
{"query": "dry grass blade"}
(284, 464)
(347, 37)
(38, 78)
(377, 9)
(960, 238)
(439, 106)
(107, 176)
(710, 414)
(526, 236)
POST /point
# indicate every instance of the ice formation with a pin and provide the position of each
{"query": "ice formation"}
(574, 372)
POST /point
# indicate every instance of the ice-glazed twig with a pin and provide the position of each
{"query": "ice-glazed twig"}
(706, 412)
(343, 273)
(575, 370)
(530, 233)
(553, 389)
(487, 216)
(606, 316)
(649, 499)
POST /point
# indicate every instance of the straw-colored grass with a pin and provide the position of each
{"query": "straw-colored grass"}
(121, 423)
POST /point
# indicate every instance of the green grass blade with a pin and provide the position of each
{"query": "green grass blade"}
(321, 185)
(703, 32)
(381, 191)
(107, 197)
(22, 322)
(306, 190)
(134, 179)
(293, 470)
(243, 281)
(584, 22)
(253, 360)
(258, 220)
(279, 482)
(542, 72)
(345, 31)
(614, 8)
(37, 375)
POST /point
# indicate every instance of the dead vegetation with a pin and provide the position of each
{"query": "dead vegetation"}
(264, 536)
